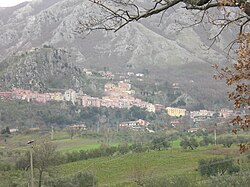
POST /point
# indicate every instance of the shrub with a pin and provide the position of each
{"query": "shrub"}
(84, 179)
(206, 141)
(217, 166)
(226, 141)
(190, 143)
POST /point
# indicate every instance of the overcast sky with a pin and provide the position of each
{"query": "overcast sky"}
(8, 3)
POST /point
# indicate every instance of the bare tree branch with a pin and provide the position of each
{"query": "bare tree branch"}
(122, 12)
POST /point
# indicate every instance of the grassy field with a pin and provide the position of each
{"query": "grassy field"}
(123, 170)
(61, 139)
(126, 168)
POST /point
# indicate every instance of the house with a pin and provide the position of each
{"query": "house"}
(192, 130)
(13, 130)
(159, 107)
(70, 95)
(139, 74)
(90, 101)
(57, 96)
(176, 112)
(79, 127)
(41, 98)
(201, 115)
(130, 73)
(22, 94)
(225, 113)
(124, 103)
(176, 85)
(123, 89)
(5, 95)
(106, 102)
(124, 86)
(134, 125)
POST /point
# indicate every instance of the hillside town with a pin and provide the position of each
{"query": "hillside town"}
(118, 95)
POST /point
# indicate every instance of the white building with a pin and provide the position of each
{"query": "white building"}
(70, 95)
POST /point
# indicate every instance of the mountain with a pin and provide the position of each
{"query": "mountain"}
(54, 22)
(163, 48)
(44, 69)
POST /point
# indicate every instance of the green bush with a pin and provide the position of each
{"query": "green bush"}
(217, 166)
(226, 141)
(189, 143)
(206, 141)
(84, 179)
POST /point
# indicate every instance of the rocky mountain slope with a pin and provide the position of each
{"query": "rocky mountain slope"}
(161, 46)
(44, 69)
(55, 22)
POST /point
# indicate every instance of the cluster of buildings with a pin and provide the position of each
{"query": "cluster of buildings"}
(116, 96)
(201, 115)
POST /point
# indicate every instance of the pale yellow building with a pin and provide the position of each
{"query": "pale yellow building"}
(56, 96)
(176, 112)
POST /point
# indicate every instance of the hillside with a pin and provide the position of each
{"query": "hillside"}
(55, 23)
(44, 69)
(160, 46)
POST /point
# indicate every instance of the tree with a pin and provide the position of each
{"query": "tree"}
(5, 131)
(81, 179)
(137, 148)
(115, 14)
(238, 75)
(226, 141)
(44, 155)
(217, 166)
(71, 131)
(206, 141)
(84, 179)
(159, 143)
(190, 143)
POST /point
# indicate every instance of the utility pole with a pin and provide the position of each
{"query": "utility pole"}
(31, 167)
(98, 127)
(31, 163)
(117, 128)
(52, 133)
(215, 134)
